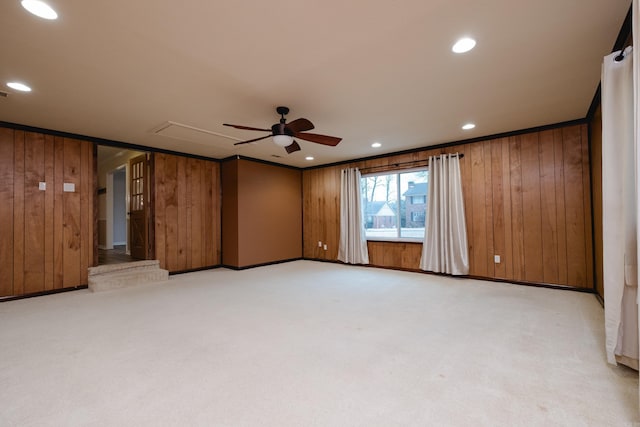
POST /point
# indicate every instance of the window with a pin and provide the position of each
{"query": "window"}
(394, 205)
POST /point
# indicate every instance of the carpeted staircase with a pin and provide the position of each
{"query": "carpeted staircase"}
(116, 276)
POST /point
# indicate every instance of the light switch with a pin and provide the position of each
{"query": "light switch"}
(69, 187)
(42, 186)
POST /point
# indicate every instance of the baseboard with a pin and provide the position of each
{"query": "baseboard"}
(42, 293)
(191, 270)
(233, 267)
(488, 279)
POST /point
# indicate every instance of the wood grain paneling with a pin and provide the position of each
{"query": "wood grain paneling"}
(18, 214)
(71, 221)
(561, 212)
(87, 193)
(587, 208)
(498, 207)
(160, 199)
(575, 206)
(517, 217)
(7, 229)
(187, 212)
(195, 254)
(58, 214)
(183, 231)
(596, 183)
(170, 231)
(49, 218)
(548, 212)
(49, 233)
(34, 213)
(527, 199)
(531, 208)
(478, 206)
(506, 231)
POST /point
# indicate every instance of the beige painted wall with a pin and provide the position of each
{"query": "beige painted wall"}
(262, 213)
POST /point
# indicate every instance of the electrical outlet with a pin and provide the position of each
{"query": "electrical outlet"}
(319, 244)
(325, 247)
(496, 259)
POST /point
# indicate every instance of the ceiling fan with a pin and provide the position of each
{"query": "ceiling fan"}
(283, 133)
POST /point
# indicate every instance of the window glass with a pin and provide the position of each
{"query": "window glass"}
(394, 204)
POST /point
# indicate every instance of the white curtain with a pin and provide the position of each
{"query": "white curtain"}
(353, 242)
(635, 14)
(619, 210)
(445, 248)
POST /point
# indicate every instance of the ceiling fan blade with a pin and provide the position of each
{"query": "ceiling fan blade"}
(292, 148)
(246, 127)
(252, 140)
(319, 139)
(299, 125)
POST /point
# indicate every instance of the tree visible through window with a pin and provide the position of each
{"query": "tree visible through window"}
(394, 204)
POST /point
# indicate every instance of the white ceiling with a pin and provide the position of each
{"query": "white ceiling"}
(362, 70)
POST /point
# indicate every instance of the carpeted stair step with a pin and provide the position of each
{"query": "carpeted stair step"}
(117, 276)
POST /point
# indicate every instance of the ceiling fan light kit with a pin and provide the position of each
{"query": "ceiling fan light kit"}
(283, 133)
(282, 140)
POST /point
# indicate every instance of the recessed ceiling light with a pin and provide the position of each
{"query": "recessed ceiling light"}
(40, 9)
(468, 126)
(464, 45)
(309, 158)
(19, 86)
(376, 145)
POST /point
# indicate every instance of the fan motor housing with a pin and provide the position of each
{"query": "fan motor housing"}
(281, 129)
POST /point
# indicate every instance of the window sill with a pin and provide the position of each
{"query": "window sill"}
(394, 240)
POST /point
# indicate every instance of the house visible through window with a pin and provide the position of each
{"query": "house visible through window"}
(418, 216)
(394, 204)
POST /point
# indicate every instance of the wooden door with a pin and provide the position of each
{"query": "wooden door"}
(138, 207)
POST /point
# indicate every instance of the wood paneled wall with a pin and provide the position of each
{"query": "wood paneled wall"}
(596, 176)
(187, 212)
(46, 236)
(262, 213)
(527, 199)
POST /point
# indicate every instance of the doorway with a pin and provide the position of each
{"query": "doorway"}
(122, 197)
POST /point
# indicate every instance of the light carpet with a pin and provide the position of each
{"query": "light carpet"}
(311, 344)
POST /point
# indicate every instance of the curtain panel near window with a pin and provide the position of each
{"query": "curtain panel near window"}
(619, 210)
(352, 248)
(445, 248)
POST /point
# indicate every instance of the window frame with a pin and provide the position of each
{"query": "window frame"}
(398, 238)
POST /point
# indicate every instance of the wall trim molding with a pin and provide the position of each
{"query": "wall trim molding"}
(101, 141)
(251, 159)
(457, 143)
(137, 147)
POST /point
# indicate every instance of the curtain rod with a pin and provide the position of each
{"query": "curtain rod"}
(621, 55)
(413, 163)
